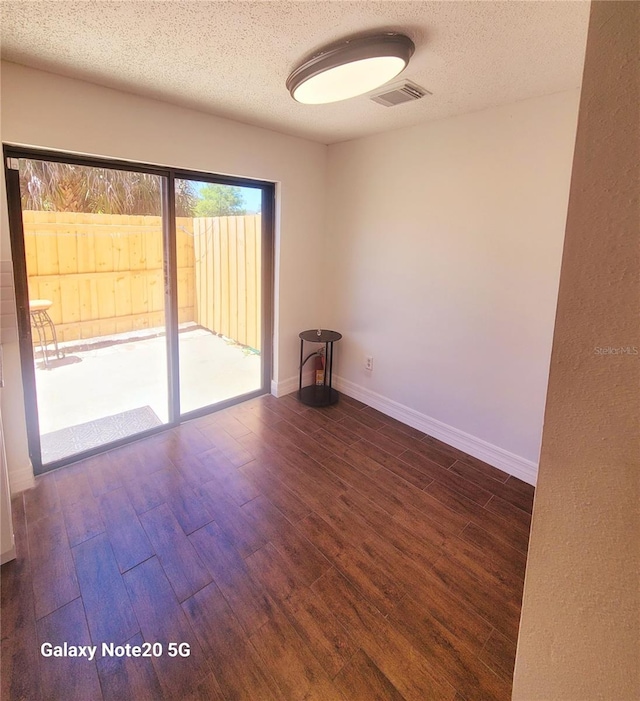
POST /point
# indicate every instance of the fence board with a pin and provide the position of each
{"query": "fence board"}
(241, 280)
(224, 275)
(104, 273)
(253, 338)
(215, 285)
(232, 235)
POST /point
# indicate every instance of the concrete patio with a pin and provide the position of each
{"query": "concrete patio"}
(95, 380)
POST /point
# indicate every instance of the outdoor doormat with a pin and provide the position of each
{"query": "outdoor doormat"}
(76, 439)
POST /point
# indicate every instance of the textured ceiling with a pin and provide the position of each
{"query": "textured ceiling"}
(232, 58)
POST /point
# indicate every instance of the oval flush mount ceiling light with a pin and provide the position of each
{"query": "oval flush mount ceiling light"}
(350, 68)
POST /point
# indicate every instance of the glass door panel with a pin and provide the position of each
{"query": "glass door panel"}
(93, 240)
(219, 285)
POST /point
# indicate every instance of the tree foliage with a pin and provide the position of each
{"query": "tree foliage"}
(220, 201)
(64, 187)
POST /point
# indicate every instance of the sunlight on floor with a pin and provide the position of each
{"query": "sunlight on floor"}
(92, 384)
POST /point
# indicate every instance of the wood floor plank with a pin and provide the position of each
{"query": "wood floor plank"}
(126, 534)
(19, 671)
(335, 412)
(228, 477)
(103, 475)
(226, 444)
(400, 499)
(444, 448)
(390, 421)
(495, 548)
(370, 420)
(180, 562)
(106, 603)
(73, 484)
(422, 544)
(361, 680)
(207, 690)
(306, 421)
(16, 592)
(516, 517)
(499, 653)
(459, 484)
(235, 663)
(157, 452)
(353, 454)
(478, 471)
(305, 477)
(403, 468)
(351, 402)
(369, 576)
(83, 520)
(340, 432)
(469, 581)
(232, 520)
(144, 492)
(308, 613)
(508, 574)
(19, 675)
(69, 678)
(294, 668)
(128, 677)
(287, 539)
(226, 421)
(313, 448)
(427, 450)
(376, 437)
(454, 614)
(54, 575)
(321, 553)
(42, 500)
(250, 605)
(275, 490)
(402, 664)
(499, 527)
(448, 656)
(319, 417)
(162, 620)
(129, 461)
(189, 439)
(189, 509)
(518, 493)
(291, 400)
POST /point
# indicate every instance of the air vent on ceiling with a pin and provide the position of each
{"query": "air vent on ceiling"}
(396, 94)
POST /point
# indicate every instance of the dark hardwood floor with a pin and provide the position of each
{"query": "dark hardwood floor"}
(300, 553)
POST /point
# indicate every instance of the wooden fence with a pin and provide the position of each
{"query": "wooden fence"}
(104, 273)
(227, 276)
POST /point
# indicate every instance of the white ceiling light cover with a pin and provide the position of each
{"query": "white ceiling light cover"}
(350, 68)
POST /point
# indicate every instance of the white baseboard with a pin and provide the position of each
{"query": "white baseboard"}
(21, 479)
(279, 389)
(8, 556)
(512, 464)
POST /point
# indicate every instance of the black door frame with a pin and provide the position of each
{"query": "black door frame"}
(168, 175)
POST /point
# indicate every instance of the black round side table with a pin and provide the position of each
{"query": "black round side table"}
(324, 394)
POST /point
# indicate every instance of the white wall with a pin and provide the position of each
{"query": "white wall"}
(49, 111)
(7, 542)
(444, 243)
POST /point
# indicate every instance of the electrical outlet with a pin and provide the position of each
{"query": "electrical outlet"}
(368, 362)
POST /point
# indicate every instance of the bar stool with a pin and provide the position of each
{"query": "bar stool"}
(41, 321)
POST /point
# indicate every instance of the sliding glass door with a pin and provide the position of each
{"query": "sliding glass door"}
(219, 293)
(141, 297)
